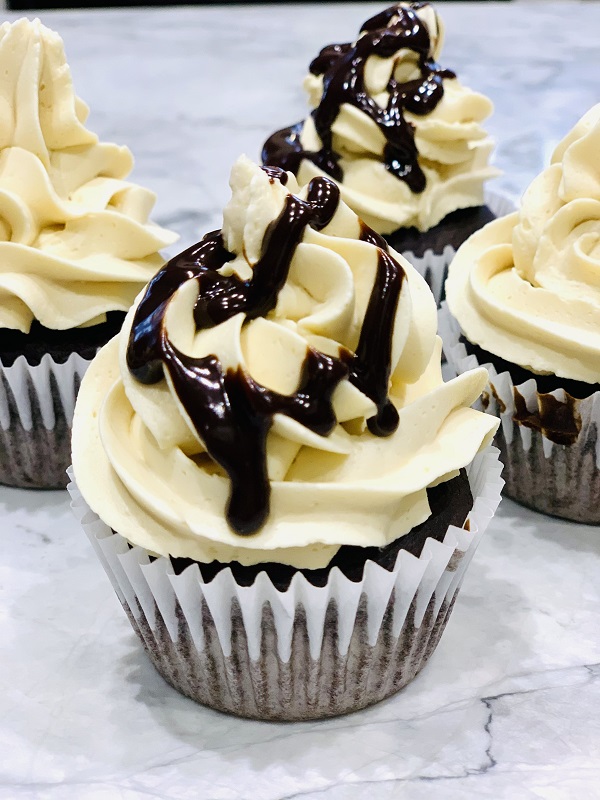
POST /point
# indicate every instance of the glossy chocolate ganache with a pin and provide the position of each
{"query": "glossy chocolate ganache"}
(281, 378)
(399, 28)
(231, 412)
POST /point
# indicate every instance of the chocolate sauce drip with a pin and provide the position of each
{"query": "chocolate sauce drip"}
(233, 415)
(230, 411)
(560, 422)
(371, 363)
(328, 57)
(147, 339)
(372, 237)
(276, 174)
(285, 149)
(383, 19)
(342, 67)
(220, 297)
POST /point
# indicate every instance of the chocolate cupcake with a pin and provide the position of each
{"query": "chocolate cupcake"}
(400, 135)
(76, 248)
(272, 470)
(524, 299)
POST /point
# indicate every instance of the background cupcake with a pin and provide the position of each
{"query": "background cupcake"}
(401, 136)
(524, 298)
(282, 489)
(75, 247)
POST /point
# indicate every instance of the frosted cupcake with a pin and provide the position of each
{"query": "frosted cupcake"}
(401, 135)
(524, 299)
(282, 489)
(76, 247)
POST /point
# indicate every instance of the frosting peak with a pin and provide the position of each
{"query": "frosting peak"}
(399, 134)
(75, 241)
(281, 378)
(527, 287)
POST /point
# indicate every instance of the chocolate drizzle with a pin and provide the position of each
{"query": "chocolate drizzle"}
(370, 364)
(343, 67)
(233, 415)
(145, 351)
(231, 412)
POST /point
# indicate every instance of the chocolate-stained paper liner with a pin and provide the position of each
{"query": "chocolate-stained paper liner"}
(36, 414)
(434, 266)
(557, 479)
(305, 653)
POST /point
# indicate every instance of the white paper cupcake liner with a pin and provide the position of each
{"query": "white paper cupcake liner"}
(557, 479)
(434, 266)
(304, 653)
(36, 413)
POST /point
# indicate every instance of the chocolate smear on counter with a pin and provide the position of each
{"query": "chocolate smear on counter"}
(231, 412)
(342, 67)
(558, 421)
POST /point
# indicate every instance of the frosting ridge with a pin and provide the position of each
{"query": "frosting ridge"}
(401, 136)
(526, 287)
(172, 392)
(75, 240)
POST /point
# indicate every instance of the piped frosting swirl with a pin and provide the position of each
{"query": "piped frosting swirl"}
(276, 391)
(75, 241)
(398, 132)
(527, 286)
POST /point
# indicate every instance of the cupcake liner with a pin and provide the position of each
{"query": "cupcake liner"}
(304, 653)
(36, 413)
(562, 480)
(434, 266)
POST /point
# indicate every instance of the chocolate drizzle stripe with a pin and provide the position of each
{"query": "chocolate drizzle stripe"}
(370, 364)
(233, 416)
(342, 67)
(145, 351)
(231, 412)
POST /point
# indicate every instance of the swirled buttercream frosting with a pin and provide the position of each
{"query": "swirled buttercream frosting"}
(527, 286)
(276, 390)
(400, 135)
(75, 241)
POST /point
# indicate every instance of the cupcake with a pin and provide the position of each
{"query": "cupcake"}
(76, 248)
(400, 135)
(282, 489)
(523, 298)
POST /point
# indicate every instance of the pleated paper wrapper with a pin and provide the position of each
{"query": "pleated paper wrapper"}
(36, 414)
(557, 479)
(305, 653)
(434, 266)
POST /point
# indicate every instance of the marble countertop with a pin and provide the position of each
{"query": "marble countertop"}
(507, 707)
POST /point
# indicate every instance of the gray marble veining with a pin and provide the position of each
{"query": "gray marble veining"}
(507, 706)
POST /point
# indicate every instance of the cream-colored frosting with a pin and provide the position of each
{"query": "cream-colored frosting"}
(527, 286)
(75, 241)
(140, 464)
(454, 149)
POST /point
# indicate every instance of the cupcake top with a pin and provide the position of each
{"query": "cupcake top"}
(276, 391)
(75, 241)
(527, 286)
(400, 135)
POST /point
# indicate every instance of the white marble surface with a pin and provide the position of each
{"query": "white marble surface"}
(507, 707)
